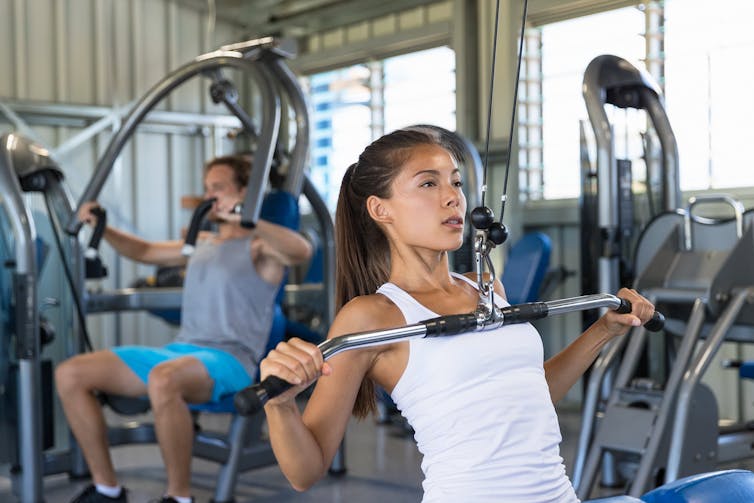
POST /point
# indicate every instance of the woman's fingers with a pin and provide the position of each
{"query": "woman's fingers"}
(640, 305)
(296, 361)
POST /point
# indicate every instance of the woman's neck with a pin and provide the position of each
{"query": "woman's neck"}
(420, 271)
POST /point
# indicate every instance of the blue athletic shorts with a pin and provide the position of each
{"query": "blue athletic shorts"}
(227, 372)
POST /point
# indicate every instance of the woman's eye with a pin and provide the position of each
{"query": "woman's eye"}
(458, 183)
(428, 183)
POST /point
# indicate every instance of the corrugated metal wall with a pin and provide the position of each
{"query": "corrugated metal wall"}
(78, 54)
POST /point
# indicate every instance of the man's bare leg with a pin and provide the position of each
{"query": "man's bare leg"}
(172, 385)
(77, 379)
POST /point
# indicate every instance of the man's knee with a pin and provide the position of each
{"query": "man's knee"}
(68, 377)
(163, 383)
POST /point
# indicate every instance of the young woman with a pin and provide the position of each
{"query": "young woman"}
(481, 403)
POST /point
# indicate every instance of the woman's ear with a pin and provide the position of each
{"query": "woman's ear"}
(378, 210)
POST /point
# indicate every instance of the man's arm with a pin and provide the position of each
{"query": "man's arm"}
(165, 253)
(281, 244)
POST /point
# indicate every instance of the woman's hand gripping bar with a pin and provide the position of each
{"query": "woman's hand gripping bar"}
(251, 399)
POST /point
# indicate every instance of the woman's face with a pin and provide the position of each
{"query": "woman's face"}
(220, 184)
(427, 206)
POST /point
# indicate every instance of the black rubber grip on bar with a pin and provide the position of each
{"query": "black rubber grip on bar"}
(250, 400)
(99, 228)
(524, 313)
(196, 220)
(655, 324)
(452, 324)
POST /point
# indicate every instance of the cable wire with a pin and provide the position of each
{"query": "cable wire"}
(515, 106)
(489, 101)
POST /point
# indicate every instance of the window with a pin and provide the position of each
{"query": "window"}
(703, 68)
(421, 88)
(709, 81)
(353, 106)
(566, 49)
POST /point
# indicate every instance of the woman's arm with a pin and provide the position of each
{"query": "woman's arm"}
(565, 368)
(305, 445)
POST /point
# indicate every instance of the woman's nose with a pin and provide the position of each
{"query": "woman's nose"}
(453, 198)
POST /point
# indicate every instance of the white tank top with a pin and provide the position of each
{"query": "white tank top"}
(482, 413)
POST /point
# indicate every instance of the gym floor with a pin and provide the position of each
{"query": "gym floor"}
(383, 466)
(382, 460)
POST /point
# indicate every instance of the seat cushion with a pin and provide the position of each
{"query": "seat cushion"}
(729, 486)
(615, 499)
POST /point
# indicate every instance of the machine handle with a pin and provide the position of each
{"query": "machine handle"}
(251, 399)
(99, 231)
(738, 211)
(196, 220)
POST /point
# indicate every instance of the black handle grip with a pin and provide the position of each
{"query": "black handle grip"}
(196, 221)
(655, 324)
(250, 400)
(99, 229)
(450, 325)
(524, 313)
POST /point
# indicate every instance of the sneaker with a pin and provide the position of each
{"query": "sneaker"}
(90, 495)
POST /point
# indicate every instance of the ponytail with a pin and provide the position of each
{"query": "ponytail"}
(361, 264)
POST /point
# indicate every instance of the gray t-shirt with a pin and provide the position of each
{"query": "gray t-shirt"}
(226, 304)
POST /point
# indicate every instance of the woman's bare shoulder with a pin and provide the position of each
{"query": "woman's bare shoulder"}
(366, 313)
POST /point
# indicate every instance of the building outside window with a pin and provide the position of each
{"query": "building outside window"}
(351, 107)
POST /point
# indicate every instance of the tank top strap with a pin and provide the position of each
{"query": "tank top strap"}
(499, 301)
(412, 310)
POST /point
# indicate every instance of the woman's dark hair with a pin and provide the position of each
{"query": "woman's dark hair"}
(240, 165)
(362, 249)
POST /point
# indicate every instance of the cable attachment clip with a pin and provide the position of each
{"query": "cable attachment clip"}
(488, 235)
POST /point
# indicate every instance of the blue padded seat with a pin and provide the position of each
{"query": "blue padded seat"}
(525, 267)
(616, 499)
(726, 486)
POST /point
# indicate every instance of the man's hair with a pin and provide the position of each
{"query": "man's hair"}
(238, 163)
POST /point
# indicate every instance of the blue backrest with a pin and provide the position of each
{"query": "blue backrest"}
(729, 486)
(280, 207)
(526, 266)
